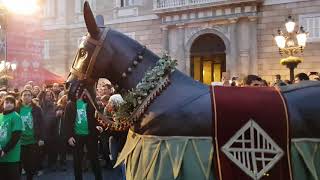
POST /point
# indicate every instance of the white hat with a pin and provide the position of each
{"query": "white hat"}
(116, 100)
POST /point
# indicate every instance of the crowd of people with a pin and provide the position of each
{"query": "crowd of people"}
(39, 127)
(254, 80)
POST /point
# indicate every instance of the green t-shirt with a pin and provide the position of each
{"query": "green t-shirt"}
(8, 124)
(81, 124)
(27, 136)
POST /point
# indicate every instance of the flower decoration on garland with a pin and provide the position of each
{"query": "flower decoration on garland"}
(139, 98)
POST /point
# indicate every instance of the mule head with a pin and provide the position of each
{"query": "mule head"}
(87, 66)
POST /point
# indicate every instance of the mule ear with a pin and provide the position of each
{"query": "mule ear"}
(100, 21)
(89, 20)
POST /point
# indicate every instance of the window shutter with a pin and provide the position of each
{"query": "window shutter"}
(46, 49)
(311, 23)
(46, 9)
(52, 8)
(92, 4)
(61, 8)
(317, 26)
(137, 2)
(49, 8)
(77, 5)
(130, 3)
(117, 3)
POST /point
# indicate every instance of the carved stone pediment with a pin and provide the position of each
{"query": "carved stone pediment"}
(190, 11)
(169, 6)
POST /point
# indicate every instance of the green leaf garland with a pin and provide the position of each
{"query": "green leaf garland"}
(135, 97)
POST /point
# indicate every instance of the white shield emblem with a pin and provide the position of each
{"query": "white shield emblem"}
(252, 150)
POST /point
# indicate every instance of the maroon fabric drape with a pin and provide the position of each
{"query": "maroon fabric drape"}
(234, 107)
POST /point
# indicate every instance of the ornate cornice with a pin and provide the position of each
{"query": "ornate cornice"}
(166, 7)
(230, 13)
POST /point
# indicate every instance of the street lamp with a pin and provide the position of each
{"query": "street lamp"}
(291, 43)
(290, 24)
(5, 69)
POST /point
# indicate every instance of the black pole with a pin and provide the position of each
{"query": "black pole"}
(292, 74)
(291, 66)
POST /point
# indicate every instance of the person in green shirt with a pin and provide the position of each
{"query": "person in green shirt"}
(31, 137)
(10, 132)
(81, 131)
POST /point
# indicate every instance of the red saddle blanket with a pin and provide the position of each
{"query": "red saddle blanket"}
(251, 134)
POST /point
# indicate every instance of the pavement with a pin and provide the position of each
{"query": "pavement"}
(108, 174)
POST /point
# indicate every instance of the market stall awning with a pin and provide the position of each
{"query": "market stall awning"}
(50, 77)
(39, 76)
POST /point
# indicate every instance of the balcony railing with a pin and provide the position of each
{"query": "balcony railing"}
(167, 4)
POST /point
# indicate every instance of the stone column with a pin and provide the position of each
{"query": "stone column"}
(165, 38)
(181, 48)
(253, 45)
(244, 40)
(244, 61)
(231, 56)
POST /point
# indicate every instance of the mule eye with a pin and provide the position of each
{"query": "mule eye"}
(82, 53)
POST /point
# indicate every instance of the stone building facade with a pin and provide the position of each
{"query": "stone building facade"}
(207, 37)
